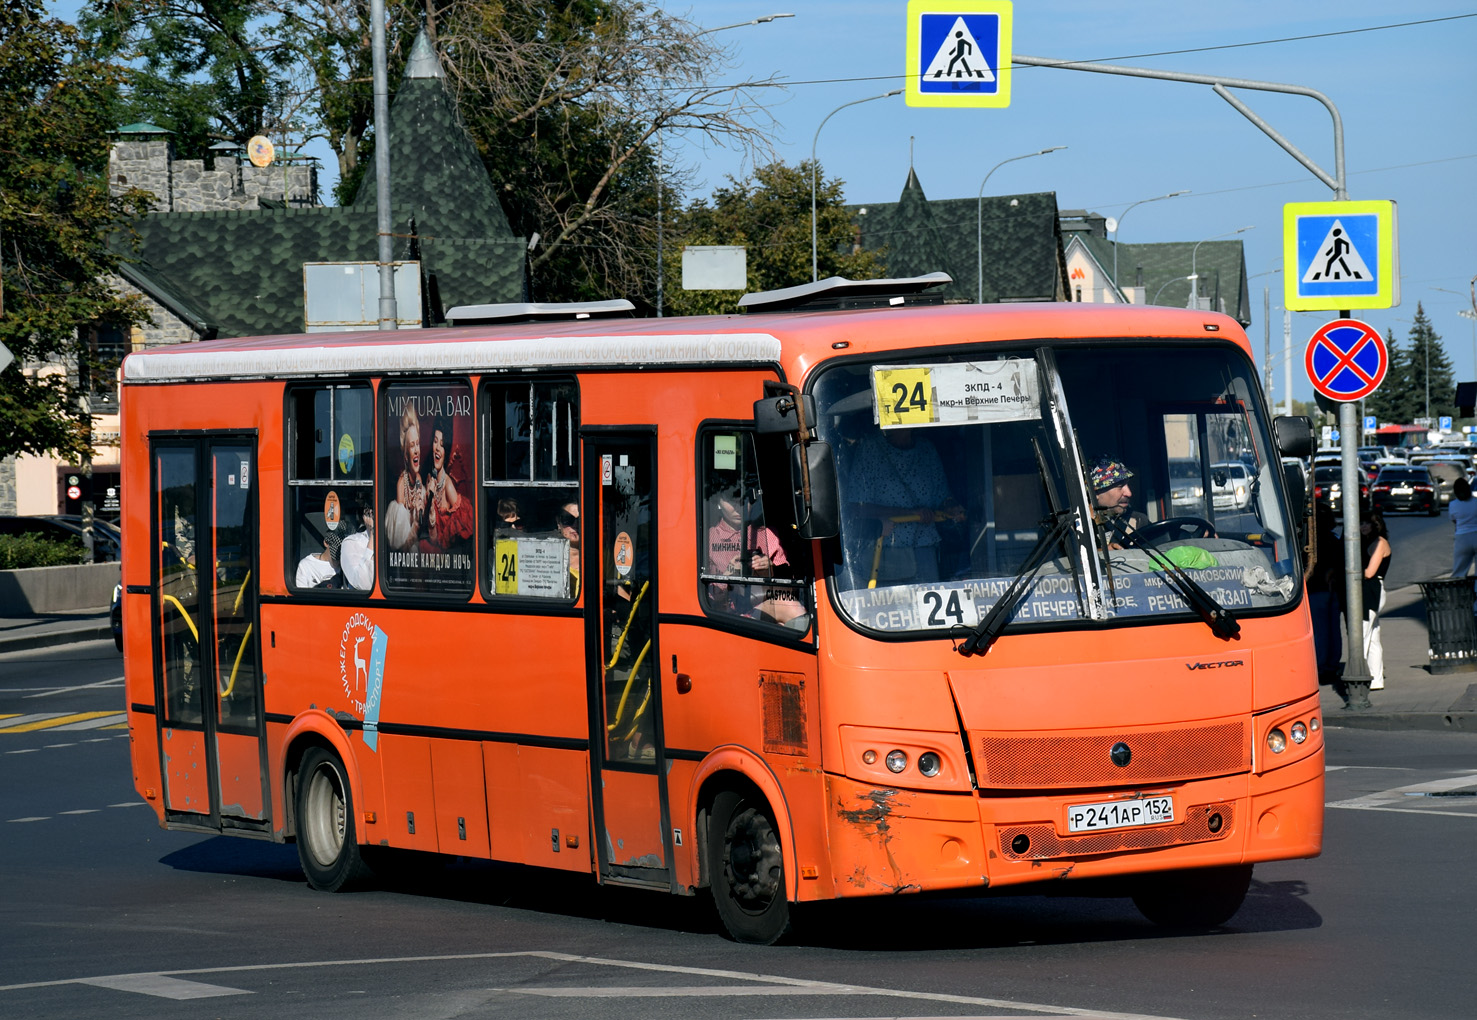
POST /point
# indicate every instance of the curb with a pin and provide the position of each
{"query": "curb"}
(97, 632)
(1450, 722)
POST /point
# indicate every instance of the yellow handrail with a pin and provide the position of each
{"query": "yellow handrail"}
(630, 617)
(185, 613)
(620, 708)
(245, 640)
(887, 530)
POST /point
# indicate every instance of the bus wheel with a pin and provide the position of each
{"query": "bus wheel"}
(325, 826)
(1199, 898)
(748, 870)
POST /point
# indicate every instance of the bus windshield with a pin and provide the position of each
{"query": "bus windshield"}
(1103, 481)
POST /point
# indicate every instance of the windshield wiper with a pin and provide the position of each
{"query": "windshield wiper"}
(1221, 621)
(988, 629)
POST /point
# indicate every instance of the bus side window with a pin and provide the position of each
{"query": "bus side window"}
(330, 478)
(530, 489)
(748, 569)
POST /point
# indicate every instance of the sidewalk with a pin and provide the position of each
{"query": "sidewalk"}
(20, 633)
(1413, 698)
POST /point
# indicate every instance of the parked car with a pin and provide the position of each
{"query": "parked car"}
(115, 616)
(1231, 483)
(1186, 488)
(1328, 485)
(60, 527)
(107, 543)
(1406, 488)
(1445, 472)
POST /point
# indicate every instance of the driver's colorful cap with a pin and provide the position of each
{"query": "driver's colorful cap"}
(1106, 472)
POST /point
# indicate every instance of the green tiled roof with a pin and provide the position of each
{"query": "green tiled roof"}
(1221, 266)
(1021, 256)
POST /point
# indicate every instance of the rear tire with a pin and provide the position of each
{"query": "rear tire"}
(1196, 899)
(326, 847)
(747, 869)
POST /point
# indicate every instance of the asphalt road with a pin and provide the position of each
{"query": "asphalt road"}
(106, 915)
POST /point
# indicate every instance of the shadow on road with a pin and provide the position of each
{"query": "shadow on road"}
(932, 922)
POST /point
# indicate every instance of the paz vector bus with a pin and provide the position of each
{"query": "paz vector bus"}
(852, 594)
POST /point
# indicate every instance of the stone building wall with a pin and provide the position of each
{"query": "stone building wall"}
(185, 185)
(163, 328)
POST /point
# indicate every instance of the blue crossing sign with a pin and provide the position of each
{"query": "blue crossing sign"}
(958, 53)
(1346, 360)
(1340, 255)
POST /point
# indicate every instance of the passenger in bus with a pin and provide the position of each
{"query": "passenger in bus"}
(567, 522)
(741, 546)
(449, 515)
(405, 515)
(896, 477)
(1114, 497)
(320, 569)
(509, 514)
(356, 555)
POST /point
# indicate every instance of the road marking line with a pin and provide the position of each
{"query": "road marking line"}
(81, 811)
(162, 986)
(48, 720)
(69, 744)
(130, 803)
(769, 979)
(24, 750)
(33, 818)
(47, 692)
(97, 724)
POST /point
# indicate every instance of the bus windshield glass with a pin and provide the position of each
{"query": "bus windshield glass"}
(1094, 480)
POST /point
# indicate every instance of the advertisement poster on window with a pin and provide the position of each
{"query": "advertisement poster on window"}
(427, 479)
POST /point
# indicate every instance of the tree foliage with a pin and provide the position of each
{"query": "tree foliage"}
(55, 212)
(770, 215)
(1402, 397)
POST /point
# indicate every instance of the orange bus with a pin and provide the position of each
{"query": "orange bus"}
(851, 594)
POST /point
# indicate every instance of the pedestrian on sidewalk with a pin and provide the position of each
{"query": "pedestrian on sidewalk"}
(1325, 581)
(1374, 543)
(1464, 518)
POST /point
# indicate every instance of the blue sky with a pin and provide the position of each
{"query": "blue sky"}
(1406, 96)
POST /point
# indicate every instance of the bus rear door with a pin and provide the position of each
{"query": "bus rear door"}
(207, 676)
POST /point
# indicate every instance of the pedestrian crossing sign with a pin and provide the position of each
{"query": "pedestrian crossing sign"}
(1340, 255)
(958, 53)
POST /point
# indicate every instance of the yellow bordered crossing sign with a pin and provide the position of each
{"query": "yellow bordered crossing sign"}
(1340, 255)
(958, 53)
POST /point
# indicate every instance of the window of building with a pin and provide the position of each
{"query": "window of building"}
(426, 465)
(330, 529)
(530, 488)
(749, 570)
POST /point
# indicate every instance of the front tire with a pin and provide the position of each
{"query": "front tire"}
(326, 847)
(1196, 899)
(747, 869)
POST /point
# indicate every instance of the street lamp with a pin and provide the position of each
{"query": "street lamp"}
(660, 162)
(1119, 222)
(979, 206)
(1195, 290)
(814, 264)
(1166, 283)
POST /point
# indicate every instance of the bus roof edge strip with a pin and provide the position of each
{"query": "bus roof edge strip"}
(188, 362)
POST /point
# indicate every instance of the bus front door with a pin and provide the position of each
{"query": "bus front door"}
(627, 752)
(207, 675)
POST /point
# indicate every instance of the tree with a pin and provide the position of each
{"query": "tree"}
(207, 70)
(1431, 376)
(770, 215)
(55, 215)
(1389, 404)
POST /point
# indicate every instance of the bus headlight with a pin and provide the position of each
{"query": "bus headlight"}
(1277, 740)
(929, 764)
(897, 761)
(1299, 733)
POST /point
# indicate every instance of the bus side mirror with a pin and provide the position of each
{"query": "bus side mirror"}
(778, 414)
(821, 517)
(1294, 433)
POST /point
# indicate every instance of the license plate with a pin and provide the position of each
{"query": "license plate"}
(1401, 491)
(1120, 814)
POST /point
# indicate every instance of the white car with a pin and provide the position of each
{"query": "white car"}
(1231, 483)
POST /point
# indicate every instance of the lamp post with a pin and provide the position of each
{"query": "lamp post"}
(979, 210)
(814, 262)
(1119, 223)
(660, 157)
(1166, 283)
(1195, 289)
